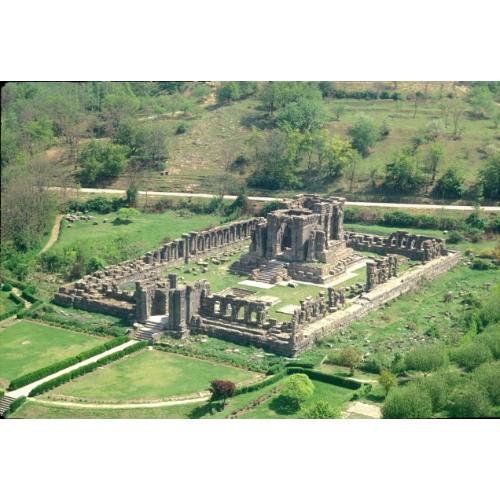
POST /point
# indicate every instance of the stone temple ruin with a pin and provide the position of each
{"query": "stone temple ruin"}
(304, 241)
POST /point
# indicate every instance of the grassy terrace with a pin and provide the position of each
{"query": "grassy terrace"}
(147, 231)
(150, 375)
(26, 346)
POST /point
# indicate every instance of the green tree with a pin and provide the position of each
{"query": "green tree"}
(320, 409)
(101, 161)
(449, 185)
(276, 95)
(469, 401)
(334, 154)
(489, 178)
(227, 92)
(482, 101)
(436, 387)
(296, 389)
(350, 357)
(407, 402)
(116, 108)
(364, 134)
(277, 161)
(426, 358)
(403, 175)
(304, 114)
(132, 192)
(434, 158)
(387, 379)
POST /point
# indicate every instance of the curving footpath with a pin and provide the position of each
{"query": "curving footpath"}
(466, 208)
(117, 406)
(24, 391)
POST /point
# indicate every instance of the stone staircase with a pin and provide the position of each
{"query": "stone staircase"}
(272, 272)
(151, 330)
(5, 403)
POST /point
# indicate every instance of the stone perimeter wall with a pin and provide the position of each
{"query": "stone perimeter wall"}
(372, 300)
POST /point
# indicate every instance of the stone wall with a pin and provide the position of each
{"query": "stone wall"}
(102, 286)
(380, 270)
(413, 246)
(372, 300)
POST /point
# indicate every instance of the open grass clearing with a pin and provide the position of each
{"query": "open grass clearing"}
(26, 346)
(148, 376)
(147, 231)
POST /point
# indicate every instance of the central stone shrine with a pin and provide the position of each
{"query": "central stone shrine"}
(304, 241)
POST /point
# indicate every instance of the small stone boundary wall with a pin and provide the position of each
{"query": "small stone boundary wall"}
(372, 300)
(413, 246)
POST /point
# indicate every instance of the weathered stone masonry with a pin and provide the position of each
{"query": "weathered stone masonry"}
(305, 240)
(99, 292)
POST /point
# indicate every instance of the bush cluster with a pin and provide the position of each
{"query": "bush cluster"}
(61, 365)
(62, 379)
(99, 204)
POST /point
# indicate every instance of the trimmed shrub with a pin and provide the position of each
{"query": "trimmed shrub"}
(327, 377)
(6, 287)
(60, 365)
(28, 296)
(320, 409)
(62, 379)
(15, 298)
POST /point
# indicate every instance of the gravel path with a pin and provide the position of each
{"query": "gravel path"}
(54, 233)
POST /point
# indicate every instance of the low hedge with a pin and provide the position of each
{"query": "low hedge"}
(60, 365)
(261, 384)
(326, 377)
(299, 364)
(28, 296)
(6, 287)
(82, 370)
(12, 312)
(14, 406)
(15, 298)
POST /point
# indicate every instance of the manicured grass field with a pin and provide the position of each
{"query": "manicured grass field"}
(334, 395)
(150, 375)
(36, 409)
(26, 346)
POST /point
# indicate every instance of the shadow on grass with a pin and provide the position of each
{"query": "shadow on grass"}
(201, 411)
(283, 406)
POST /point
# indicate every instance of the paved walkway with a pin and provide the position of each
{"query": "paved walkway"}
(24, 391)
(266, 199)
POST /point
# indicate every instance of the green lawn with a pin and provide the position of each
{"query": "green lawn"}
(336, 396)
(150, 375)
(26, 346)
(146, 232)
(36, 409)
(6, 303)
